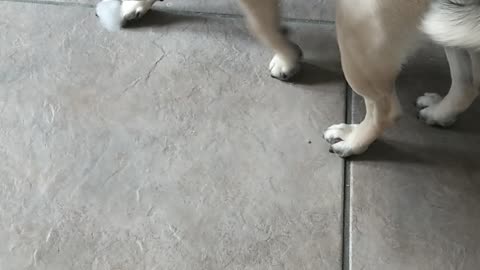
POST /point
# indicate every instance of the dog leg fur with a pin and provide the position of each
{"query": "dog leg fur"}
(372, 52)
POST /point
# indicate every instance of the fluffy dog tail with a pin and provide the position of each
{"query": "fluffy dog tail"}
(454, 23)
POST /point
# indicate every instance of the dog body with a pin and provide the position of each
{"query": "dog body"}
(376, 36)
(264, 21)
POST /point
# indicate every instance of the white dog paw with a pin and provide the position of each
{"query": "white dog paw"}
(337, 133)
(132, 9)
(433, 114)
(109, 14)
(342, 149)
(346, 149)
(282, 68)
(428, 99)
(342, 141)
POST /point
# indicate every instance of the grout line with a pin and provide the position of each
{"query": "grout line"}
(53, 3)
(347, 218)
(178, 12)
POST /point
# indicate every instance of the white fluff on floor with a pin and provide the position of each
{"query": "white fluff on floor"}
(109, 13)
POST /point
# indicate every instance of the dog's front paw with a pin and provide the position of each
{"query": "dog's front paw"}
(342, 140)
(337, 133)
(284, 68)
(132, 9)
(346, 149)
(433, 114)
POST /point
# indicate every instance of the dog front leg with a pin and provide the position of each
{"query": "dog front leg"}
(370, 65)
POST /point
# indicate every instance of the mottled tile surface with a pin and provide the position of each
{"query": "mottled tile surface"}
(298, 9)
(415, 196)
(165, 146)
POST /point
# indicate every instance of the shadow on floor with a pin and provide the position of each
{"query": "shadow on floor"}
(312, 74)
(420, 154)
(157, 18)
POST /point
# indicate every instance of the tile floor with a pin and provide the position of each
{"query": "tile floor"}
(168, 146)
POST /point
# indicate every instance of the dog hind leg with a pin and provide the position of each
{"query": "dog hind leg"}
(465, 73)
